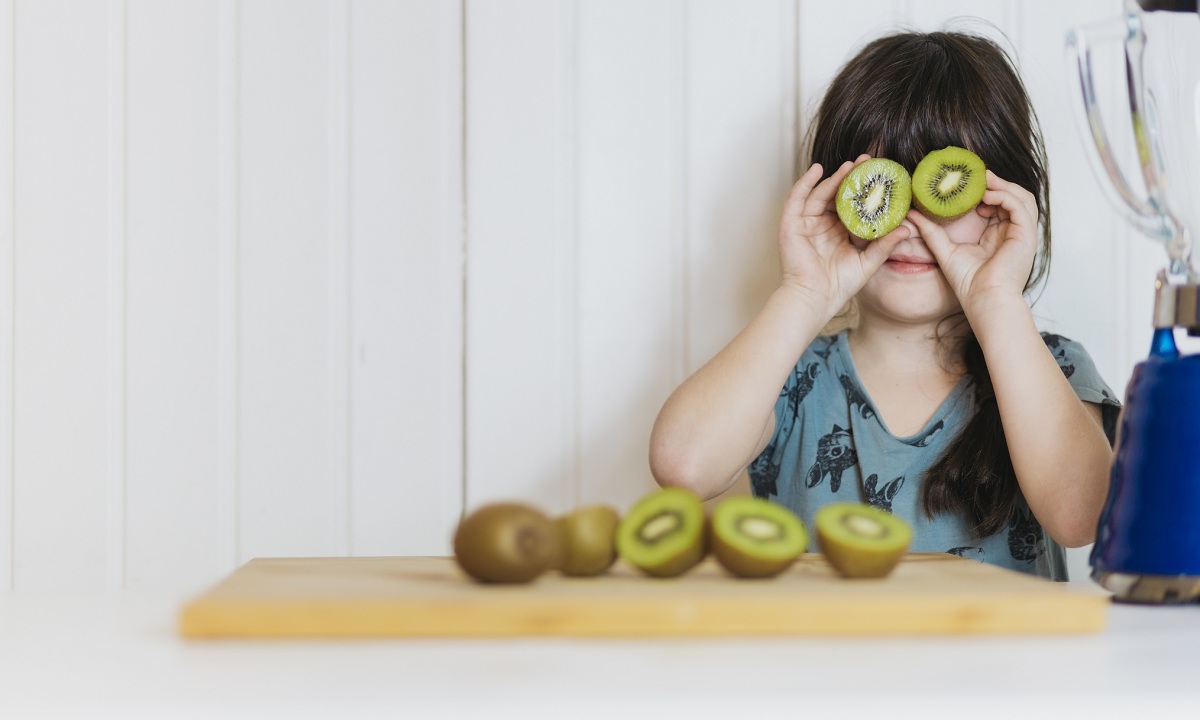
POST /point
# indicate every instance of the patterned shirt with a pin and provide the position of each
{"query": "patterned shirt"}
(830, 445)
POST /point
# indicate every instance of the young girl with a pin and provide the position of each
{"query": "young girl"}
(943, 403)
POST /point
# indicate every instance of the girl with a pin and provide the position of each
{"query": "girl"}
(942, 403)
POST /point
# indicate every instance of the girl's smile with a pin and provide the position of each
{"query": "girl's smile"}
(910, 264)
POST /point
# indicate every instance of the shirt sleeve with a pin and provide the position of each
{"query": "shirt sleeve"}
(1081, 372)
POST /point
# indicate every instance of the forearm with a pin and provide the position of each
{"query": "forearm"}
(716, 421)
(1060, 454)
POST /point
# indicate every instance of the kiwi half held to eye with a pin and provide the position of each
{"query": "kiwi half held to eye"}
(663, 533)
(874, 198)
(949, 183)
(506, 543)
(588, 536)
(861, 541)
(756, 538)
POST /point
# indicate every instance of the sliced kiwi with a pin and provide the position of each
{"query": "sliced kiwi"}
(874, 198)
(663, 533)
(756, 538)
(506, 543)
(949, 183)
(588, 536)
(861, 541)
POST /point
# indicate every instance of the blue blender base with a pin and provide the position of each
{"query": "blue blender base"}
(1148, 541)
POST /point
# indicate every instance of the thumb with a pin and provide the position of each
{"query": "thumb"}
(934, 236)
(875, 254)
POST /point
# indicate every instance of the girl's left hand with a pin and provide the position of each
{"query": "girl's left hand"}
(1000, 263)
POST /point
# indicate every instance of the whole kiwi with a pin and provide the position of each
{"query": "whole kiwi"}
(588, 536)
(506, 542)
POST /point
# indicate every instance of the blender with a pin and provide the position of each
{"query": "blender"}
(1147, 547)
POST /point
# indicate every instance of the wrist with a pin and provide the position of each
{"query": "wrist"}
(811, 304)
(995, 315)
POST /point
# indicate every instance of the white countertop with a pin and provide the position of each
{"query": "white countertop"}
(116, 654)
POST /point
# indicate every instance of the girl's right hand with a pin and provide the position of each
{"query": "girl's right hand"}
(816, 254)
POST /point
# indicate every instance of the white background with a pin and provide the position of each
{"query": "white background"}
(301, 277)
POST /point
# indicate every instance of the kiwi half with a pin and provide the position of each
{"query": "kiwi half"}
(663, 533)
(874, 198)
(861, 541)
(588, 536)
(506, 543)
(756, 538)
(949, 183)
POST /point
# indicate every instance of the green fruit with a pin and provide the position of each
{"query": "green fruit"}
(588, 537)
(663, 534)
(861, 541)
(949, 183)
(506, 543)
(756, 538)
(874, 198)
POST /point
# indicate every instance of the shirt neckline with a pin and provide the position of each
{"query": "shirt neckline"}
(939, 415)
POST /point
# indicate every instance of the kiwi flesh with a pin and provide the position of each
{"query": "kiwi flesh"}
(756, 538)
(949, 183)
(663, 533)
(874, 198)
(588, 537)
(506, 543)
(861, 541)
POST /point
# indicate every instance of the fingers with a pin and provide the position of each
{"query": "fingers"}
(1019, 202)
(794, 205)
(819, 200)
(876, 253)
(935, 237)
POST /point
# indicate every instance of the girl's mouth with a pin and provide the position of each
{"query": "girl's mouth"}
(910, 264)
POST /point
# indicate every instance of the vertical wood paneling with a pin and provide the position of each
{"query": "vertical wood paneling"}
(61, 412)
(7, 283)
(407, 275)
(740, 159)
(228, 526)
(519, 274)
(629, 172)
(174, 411)
(339, 477)
(284, 289)
(117, 310)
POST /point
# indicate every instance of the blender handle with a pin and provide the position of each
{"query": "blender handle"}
(1142, 213)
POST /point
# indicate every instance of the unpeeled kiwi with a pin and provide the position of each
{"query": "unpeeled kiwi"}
(663, 534)
(874, 198)
(506, 542)
(588, 537)
(949, 183)
(756, 538)
(860, 540)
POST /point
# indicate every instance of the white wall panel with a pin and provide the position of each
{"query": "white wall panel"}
(61, 409)
(284, 292)
(520, 297)
(171, 507)
(406, 231)
(632, 175)
(7, 281)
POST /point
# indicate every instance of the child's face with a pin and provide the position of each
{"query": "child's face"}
(910, 288)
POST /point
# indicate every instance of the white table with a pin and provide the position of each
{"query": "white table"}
(116, 654)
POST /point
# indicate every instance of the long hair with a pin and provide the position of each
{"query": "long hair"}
(901, 97)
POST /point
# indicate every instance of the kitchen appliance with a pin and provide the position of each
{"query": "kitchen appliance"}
(1147, 546)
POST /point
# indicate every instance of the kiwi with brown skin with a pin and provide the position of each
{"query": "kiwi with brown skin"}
(664, 533)
(588, 536)
(506, 543)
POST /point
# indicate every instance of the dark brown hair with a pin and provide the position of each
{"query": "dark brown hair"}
(901, 97)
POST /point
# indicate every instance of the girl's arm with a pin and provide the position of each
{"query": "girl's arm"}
(1057, 445)
(1056, 441)
(722, 417)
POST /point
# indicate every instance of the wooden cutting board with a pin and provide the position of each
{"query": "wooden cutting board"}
(928, 593)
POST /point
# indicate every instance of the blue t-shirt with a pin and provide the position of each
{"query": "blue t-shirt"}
(831, 446)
